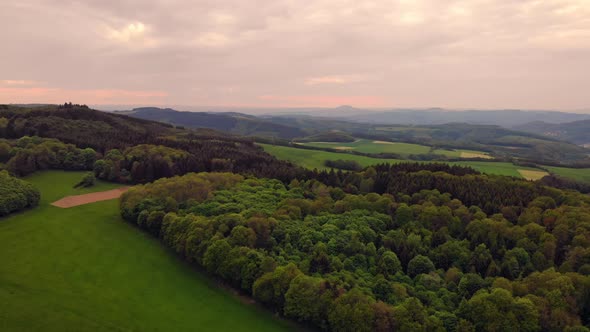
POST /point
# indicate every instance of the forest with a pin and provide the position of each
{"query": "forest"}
(382, 262)
(16, 194)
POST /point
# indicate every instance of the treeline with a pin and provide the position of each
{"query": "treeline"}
(491, 193)
(347, 165)
(16, 194)
(30, 154)
(370, 262)
(564, 183)
(144, 163)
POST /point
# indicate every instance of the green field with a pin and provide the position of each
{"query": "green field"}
(315, 159)
(369, 146)
(404, 149)
(84, 269)
(580, 174)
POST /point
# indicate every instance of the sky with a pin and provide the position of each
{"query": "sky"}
(487, 54)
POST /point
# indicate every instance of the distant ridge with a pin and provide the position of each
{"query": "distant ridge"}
(232, 122)
(577, 132)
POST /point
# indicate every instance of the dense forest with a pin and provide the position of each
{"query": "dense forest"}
(16, 194)
(362, 262)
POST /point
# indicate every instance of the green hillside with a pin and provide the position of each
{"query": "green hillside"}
(84, 269)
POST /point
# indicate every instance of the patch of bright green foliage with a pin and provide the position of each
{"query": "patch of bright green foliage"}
(84, 269)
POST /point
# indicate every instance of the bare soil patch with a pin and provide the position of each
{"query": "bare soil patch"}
(383, 142)
(71, 201)
(532, 175)
(343, 148)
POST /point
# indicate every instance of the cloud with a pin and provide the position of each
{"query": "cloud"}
(17, 82)
(337, 79)
(321, 101)
(459, 53)
(212, 39)
(96, 96)
(132, 33)
(222, 18)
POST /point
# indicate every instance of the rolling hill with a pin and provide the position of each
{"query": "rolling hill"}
(498, 141)
(103, 131)
(433, 116)
(577, 132)
(231, 122)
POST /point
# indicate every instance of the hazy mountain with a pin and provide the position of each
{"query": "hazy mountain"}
(576, 132)
(232, 122)
(505, 118)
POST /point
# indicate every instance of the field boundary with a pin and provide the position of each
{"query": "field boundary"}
(76, 200)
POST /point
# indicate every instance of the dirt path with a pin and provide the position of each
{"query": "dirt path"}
(71, 201)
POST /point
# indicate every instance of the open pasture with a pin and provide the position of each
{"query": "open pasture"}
(403, 149)
(84, 269)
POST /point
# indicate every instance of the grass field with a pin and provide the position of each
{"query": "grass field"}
(580, 174)
(84, 269)
(369, 146)
(404, 149)
(315, 159)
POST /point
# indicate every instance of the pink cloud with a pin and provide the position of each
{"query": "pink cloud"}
(89, 96)
(322, 101)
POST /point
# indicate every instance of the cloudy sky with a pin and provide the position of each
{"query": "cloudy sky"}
(296, 53)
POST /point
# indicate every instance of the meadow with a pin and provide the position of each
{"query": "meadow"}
(84, 269)
(316, 158)
(581, 174)
(404, 149)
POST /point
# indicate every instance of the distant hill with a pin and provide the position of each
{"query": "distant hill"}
(331, 136)
(499, 141)
(577, 132)
(504, 118)
(231, 122)
(433, 116)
